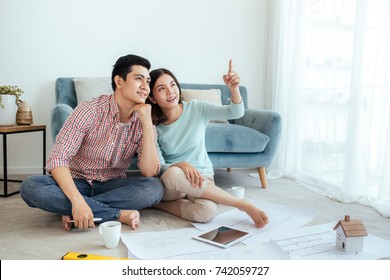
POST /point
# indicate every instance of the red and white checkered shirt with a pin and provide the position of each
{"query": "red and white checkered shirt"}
(87, 140)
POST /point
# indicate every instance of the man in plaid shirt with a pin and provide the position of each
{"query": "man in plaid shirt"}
(93, 150)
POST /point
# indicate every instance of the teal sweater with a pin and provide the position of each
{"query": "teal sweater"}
(184, 140)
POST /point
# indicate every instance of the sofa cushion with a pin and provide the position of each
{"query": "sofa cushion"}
(233, 138)
(90, 87)
(210, 95)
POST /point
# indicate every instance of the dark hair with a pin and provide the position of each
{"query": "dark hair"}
(158, 115)
(124, 64)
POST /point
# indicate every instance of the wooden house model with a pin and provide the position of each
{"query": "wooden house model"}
(350, 235)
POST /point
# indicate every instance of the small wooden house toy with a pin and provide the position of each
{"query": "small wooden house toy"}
(350, 235)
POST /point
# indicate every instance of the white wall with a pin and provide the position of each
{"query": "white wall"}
(45, 39)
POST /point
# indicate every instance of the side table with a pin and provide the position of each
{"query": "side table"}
(5, 130)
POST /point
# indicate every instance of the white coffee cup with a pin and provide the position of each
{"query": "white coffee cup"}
(111, 232)
(237, 191)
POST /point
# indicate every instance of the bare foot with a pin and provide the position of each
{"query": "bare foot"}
(130, 217)
(258, 216)
(66, 224)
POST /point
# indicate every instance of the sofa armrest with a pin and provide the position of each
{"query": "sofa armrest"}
(267, 122)
(59, 114)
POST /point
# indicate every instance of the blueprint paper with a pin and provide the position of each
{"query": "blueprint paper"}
(267, 251)
(281, 219)
(283, 238)
(162, 244)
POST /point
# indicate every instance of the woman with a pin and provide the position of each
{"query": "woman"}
(190, 191)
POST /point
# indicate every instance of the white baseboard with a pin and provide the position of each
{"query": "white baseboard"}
(22, 170)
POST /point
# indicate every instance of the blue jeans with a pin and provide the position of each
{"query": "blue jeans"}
(106, 199)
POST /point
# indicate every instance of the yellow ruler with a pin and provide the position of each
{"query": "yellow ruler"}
(84, 256)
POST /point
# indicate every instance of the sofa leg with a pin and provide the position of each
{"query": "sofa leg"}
(228, 169)
(263, 176)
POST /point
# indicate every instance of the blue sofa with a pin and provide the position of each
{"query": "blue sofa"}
(248, 142)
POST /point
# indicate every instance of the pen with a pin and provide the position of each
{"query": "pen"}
(94, 219)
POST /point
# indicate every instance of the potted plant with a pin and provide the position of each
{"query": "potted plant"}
(9, 96)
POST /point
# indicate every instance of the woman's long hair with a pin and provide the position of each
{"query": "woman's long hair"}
(158, 115)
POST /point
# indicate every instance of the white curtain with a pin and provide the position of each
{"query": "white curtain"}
(328, 72)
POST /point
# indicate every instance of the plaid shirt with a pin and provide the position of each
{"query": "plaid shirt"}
(86, 142)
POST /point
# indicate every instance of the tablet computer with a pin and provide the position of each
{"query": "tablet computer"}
(223, 236)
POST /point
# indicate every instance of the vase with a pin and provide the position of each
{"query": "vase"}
(24, 113)
(8, 113)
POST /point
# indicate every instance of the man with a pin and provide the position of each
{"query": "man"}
(93, 150)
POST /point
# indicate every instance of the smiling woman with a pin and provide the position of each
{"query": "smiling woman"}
(190, 191)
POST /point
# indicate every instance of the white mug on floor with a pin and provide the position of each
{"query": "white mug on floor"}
(237, 191)
(111, 232)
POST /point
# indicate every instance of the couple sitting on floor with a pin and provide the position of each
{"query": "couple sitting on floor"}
(95, 146)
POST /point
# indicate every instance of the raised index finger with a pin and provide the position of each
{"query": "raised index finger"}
(230, 66)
